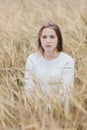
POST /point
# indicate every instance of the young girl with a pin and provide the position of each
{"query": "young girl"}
(52, 68)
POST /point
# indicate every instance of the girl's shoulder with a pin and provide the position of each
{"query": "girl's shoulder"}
(66, 57)
(34, 56)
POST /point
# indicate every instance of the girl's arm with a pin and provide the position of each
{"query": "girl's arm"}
(29, 85)
(68, 77)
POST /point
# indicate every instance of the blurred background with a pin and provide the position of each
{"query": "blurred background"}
(20, 21)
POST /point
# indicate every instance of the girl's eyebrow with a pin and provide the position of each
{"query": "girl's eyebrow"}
(50, 35)
(44, 35)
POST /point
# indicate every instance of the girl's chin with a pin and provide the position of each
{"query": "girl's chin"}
(48, 50)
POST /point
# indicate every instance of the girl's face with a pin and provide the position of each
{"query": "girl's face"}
(49, 40)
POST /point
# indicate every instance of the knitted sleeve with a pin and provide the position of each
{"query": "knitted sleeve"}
(28, 74)
(68, 77)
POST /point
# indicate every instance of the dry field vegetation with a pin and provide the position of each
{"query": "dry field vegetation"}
(20, 21)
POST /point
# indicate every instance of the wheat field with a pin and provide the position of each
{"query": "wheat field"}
(20, 21)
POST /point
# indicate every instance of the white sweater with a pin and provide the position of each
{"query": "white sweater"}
(56, 73)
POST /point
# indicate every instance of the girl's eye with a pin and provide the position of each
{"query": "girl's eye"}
(52, 36)
(44, 37)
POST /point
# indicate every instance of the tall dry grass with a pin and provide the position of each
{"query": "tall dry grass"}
(19, 24)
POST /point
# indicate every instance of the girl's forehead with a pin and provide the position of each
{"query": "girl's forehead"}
(48, 30)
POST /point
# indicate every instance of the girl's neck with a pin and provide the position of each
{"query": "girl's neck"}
(50, 56)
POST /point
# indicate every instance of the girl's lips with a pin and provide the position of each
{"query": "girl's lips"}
(48, 46)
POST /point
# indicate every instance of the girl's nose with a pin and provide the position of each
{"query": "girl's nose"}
(48, 39)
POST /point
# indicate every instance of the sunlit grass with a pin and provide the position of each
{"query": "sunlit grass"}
(19, 25)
